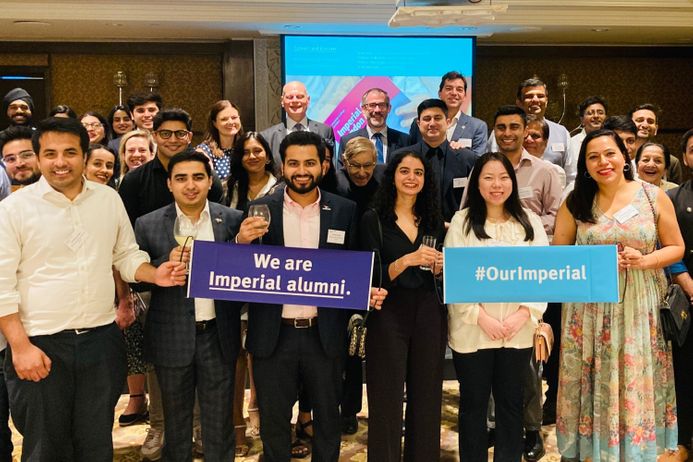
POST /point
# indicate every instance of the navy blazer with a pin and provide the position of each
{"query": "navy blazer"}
(264, 319)
(169, 332)
(458, 165)
(395, 140)
(276, 134)
(467, 127)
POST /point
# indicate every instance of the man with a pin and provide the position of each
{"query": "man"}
(535, 142)
(375, 105)
(144, 190)
(646, 116)
(143, 108)
(18, 106)
(626, 129)
(192, 343)
(65, 364)
(451, 166)
(18, 156)
(592, 112)
(295, 101)
(294, 344)
(463, 131)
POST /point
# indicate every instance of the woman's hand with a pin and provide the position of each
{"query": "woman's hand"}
(491, 326)
(438, 266)
(513, 323)
(630, 258)
(423, 256)
(377, 297)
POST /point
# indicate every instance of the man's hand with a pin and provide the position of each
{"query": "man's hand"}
(30, 362)
(252, 228)
(170, 273)
(125, 313)
(179, 253)
(377, 297)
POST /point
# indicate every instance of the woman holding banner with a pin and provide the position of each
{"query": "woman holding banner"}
(406, 338)
(491, 342)
(616, 390)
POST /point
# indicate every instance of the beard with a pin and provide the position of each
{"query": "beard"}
(315, 181)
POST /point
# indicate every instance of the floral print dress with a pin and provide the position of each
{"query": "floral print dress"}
(616, 399)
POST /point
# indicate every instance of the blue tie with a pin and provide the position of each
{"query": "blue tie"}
(378, 137)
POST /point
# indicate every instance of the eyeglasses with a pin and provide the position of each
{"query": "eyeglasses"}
(356, 167)
(534, 136)
(372, 106)
(93, 125)
(25, 155)
(166, 134)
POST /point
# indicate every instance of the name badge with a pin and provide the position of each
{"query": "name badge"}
(76, 240)
(558, 147)
(526, 192)
(466, 142)
(626, 213)
(335, 236)
(460, 182)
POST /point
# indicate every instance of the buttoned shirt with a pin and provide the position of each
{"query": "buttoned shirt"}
(453, 126)
(57, 255)
(204, 307)
(539, 187)
(301, 229)
(290, 124)
(383, 136)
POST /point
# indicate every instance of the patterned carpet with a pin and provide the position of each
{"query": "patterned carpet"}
(127, 440)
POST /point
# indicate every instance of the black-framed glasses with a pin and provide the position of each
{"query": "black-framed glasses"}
(166, 134)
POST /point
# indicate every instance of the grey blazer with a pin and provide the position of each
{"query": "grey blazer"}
(276, 133)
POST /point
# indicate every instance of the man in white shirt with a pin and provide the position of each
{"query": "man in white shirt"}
(61, 237)
(592, 112)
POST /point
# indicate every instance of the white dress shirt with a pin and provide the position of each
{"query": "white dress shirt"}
(383, 134)
(57, 255)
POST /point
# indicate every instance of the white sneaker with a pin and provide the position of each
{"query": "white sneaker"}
(152, 445)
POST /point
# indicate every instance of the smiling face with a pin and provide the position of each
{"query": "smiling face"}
(189, 184)
(137, 152)
(254, 156)
(604, 160)
(61, 162)
(376, 108)
(95, 129)
(20, 161)
(171, 137)
(302, 169)
(495, 184)
(360, 167)
(143, 115)
(510, 132)
(534, 142)
(534, 100)
(593, 117)
(19, 112)
(100, 166)
(228, 122)
(122, 123)
(433, 125)
(409, 176)
(646, 121)
(651, 165)
(453, 93)
(295, 100)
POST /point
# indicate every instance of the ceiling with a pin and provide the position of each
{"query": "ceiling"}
(608, 22)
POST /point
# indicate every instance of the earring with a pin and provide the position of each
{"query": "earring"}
(587, 175)
(626, 168)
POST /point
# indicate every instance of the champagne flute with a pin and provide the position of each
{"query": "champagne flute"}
(184, 232)
(260, 210)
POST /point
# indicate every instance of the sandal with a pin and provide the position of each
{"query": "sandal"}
(242, 446)
(126, 420)
(301, 429)
(299, 449)
(254, 422)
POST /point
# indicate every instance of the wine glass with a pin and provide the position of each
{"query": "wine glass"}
(184, 231)
(260, 210)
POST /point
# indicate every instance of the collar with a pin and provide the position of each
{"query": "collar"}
(290, 124)
(47, 191)
(204, 215)
(526, 158)
(371, 132)
(288, 201)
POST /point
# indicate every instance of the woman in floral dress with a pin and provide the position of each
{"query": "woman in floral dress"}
(616, 398)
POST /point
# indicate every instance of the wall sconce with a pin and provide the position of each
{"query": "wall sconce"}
(151, 80)
(120, 80)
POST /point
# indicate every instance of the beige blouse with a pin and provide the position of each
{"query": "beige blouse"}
(464, 334)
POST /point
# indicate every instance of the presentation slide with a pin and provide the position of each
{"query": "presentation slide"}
(337, 70)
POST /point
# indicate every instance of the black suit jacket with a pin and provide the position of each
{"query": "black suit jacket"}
(264, 319)
(458, 165)
(169, 333)
(395, 140)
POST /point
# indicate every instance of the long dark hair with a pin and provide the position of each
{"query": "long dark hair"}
(238, 174)
(211, 136)
(580, 201)
(104, 123)
(476, 216)
(427, 206)
(111, 114)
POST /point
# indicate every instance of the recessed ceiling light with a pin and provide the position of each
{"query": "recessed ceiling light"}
(31, 23)
(600, 29)
(116, 24)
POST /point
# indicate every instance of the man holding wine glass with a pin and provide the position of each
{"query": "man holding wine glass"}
(193, 343)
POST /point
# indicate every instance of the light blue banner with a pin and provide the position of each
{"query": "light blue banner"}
(585, 273)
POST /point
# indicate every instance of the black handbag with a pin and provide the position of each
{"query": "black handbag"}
(674, 314)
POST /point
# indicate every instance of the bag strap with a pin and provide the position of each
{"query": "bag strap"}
(667, 280)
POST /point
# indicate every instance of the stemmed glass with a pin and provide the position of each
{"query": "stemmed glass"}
(260, 210)
(184, 231)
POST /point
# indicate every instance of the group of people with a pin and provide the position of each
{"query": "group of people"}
(92, 281)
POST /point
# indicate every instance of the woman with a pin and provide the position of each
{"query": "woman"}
(616, 388)
(682, 274)
(406, 338)
(136, 149)
(329, 176)
(252, 170)
(653, 160)
(100, 164)
(223, 130)
(97, 127)
(489, 340)
(119, 120)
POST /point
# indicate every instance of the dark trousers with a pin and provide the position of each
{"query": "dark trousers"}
(553, 317)
(405, 344)
(683, 380)
(500, 370)
(212, 376)
(352, 392)
(298, 359)
(5, 432)
(68, 416)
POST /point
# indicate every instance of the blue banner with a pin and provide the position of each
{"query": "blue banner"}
(585, 273)
(281, 275)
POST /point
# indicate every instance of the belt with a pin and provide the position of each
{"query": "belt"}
(300, 323)
(84, 330)
(202, 326)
